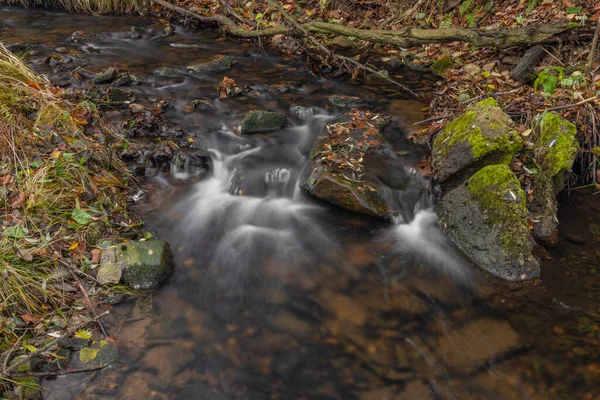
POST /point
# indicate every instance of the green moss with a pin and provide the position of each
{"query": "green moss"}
(146, 263)
(262, 121)
(490, 101)
(483, 132)
(558, 136)
(499, 193)
(441, 65)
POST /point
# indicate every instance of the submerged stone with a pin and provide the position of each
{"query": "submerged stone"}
(143, 265)
(483, 135)
(476, 344)
(261, 122)
(487, 217)
(344, 101)
(168, 72)
(220, 64)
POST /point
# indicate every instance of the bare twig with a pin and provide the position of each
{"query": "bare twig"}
(59, 373)
(88, 302)
(235, 14)
(573, 105)
(9, 371)
(80, 272)
(9, 353)
(432, 119)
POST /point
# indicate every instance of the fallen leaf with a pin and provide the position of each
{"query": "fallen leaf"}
(558, 330)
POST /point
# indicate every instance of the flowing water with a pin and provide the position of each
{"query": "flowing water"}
(278, 296)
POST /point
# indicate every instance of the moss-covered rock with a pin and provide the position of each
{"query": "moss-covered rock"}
(143, 265)
(343, 101)
(261, 122)
(556, 148)
(487, 217)
(483, 135)
(556, 144)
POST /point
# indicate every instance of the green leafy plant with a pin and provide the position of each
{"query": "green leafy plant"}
(549, 79)
(465, 7)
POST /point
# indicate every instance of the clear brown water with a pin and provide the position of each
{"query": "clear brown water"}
(280, 297)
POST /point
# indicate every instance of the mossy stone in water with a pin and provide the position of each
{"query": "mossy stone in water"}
(487, 217)
(220, 64)
(261, 122)
(144, 265)
(483, 135)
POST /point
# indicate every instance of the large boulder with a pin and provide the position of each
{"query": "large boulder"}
(483, 135)
(261, 122)
(487, 217)
(556, 148)
(353, 166)
(140, 265)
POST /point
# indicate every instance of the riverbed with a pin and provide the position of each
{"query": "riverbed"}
(278, 296)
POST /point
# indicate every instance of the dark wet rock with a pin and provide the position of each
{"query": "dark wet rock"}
(57, 60)
(117, 97)
(483, 135)
(126, 80)
(356, 169)
(202, 105)
(78, 75)
(556, 147)
(302, 113)
(168, 72)
(77, 37)
(142, 265)
(136, 32)
(487, 217)
(74, 344)
(473, 346)
(261, 122)
(220, 64)
(159, 158)
(106, 76)
(137, 169)
(345, 101)
(193, 163)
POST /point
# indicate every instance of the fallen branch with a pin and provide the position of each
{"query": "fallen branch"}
(330, 53)
(9, 371)
(408, 37)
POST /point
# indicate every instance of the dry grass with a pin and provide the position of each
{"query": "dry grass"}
(48, 169)
(90, 6)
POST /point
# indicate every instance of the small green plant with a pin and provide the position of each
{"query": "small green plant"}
(548, 79)
(465, 7)
(521, 19)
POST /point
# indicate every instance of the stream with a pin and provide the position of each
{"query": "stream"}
(276, 295)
